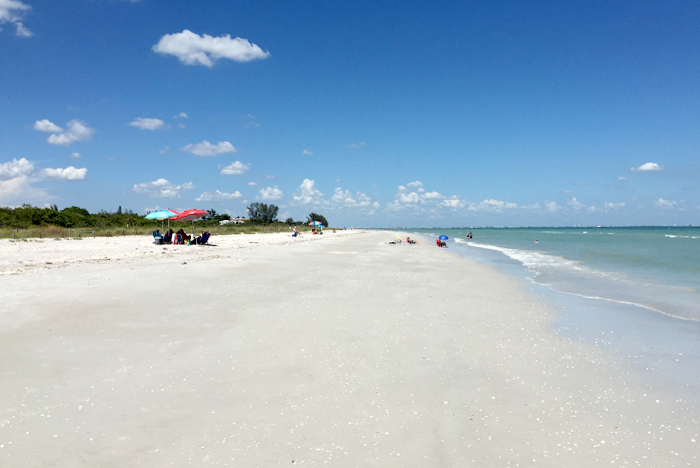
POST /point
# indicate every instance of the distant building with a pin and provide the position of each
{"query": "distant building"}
(234, 221)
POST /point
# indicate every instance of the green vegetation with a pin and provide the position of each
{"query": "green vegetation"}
(73, 222)
(262, 213)
(316, 217)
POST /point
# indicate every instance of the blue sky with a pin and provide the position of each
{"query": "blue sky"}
(395, 113)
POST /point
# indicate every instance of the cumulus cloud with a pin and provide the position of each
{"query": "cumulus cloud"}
(15, 168)
(76, 155)
(307, 152)
(46, 125)
(181, 115)
(19, 190)
(193, 49)
(162, 188)
(77, 131)
(235, 168)
(551, 206)
(650, 166)
(207, 149)
(665, 204)
(492, 205)
(218, 196)
(308, 194)
(13, 11)
(613, 206)
(346, 198)
(148, 124)
(575, 204)
(271, 193)
(69, 173)
(453, 202)
(413, 193)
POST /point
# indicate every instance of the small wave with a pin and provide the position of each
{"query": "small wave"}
(635, 304)
(552, 232)
(541, 263)
(675, 236)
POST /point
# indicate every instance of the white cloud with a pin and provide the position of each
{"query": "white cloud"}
(162, 188)
(650, 166)
(575, 204)
(12, 11)
(77, 131)
(19, 190)
(207, 149)
(193, 49)
(69, 173)
(413, 195)
(181, 115)
(148, 124)
(356, 145)
(346, 198)
(76, 155)
(218, 196)
(613, 206)
(307, 152)
(551, 206)
(235, 168)
(46, 125)
(308, 194)
(492, 205)
(15, 168)
(252, 184)
(665, 204)
(622, 178)
(453, 202)
(271, 193)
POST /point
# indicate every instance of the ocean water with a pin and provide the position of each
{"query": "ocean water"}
(635, 290)
(657, 268)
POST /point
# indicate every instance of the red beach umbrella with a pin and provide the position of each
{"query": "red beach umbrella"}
(191, 215)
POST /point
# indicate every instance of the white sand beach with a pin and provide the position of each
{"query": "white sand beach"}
(335, 350)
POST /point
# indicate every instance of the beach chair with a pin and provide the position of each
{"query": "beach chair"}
(157, 237)
(203, 239)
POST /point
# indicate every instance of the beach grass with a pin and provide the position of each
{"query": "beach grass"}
(56, 232)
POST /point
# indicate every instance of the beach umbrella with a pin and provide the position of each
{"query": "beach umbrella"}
(316, 223)
(161, 215)
(191, 215)
(443, 237)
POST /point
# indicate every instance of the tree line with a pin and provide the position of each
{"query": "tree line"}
(262, 213)
(28, 216)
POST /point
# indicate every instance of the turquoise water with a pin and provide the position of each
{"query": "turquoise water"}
(655, 268)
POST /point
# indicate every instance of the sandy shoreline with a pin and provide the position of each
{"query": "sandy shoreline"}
(347, 352)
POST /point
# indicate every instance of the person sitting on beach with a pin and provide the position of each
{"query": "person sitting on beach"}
(184, 238)
(410, 241)
(203, 238)
(168, 237)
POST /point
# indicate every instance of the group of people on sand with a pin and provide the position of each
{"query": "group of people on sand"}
(180, 237)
